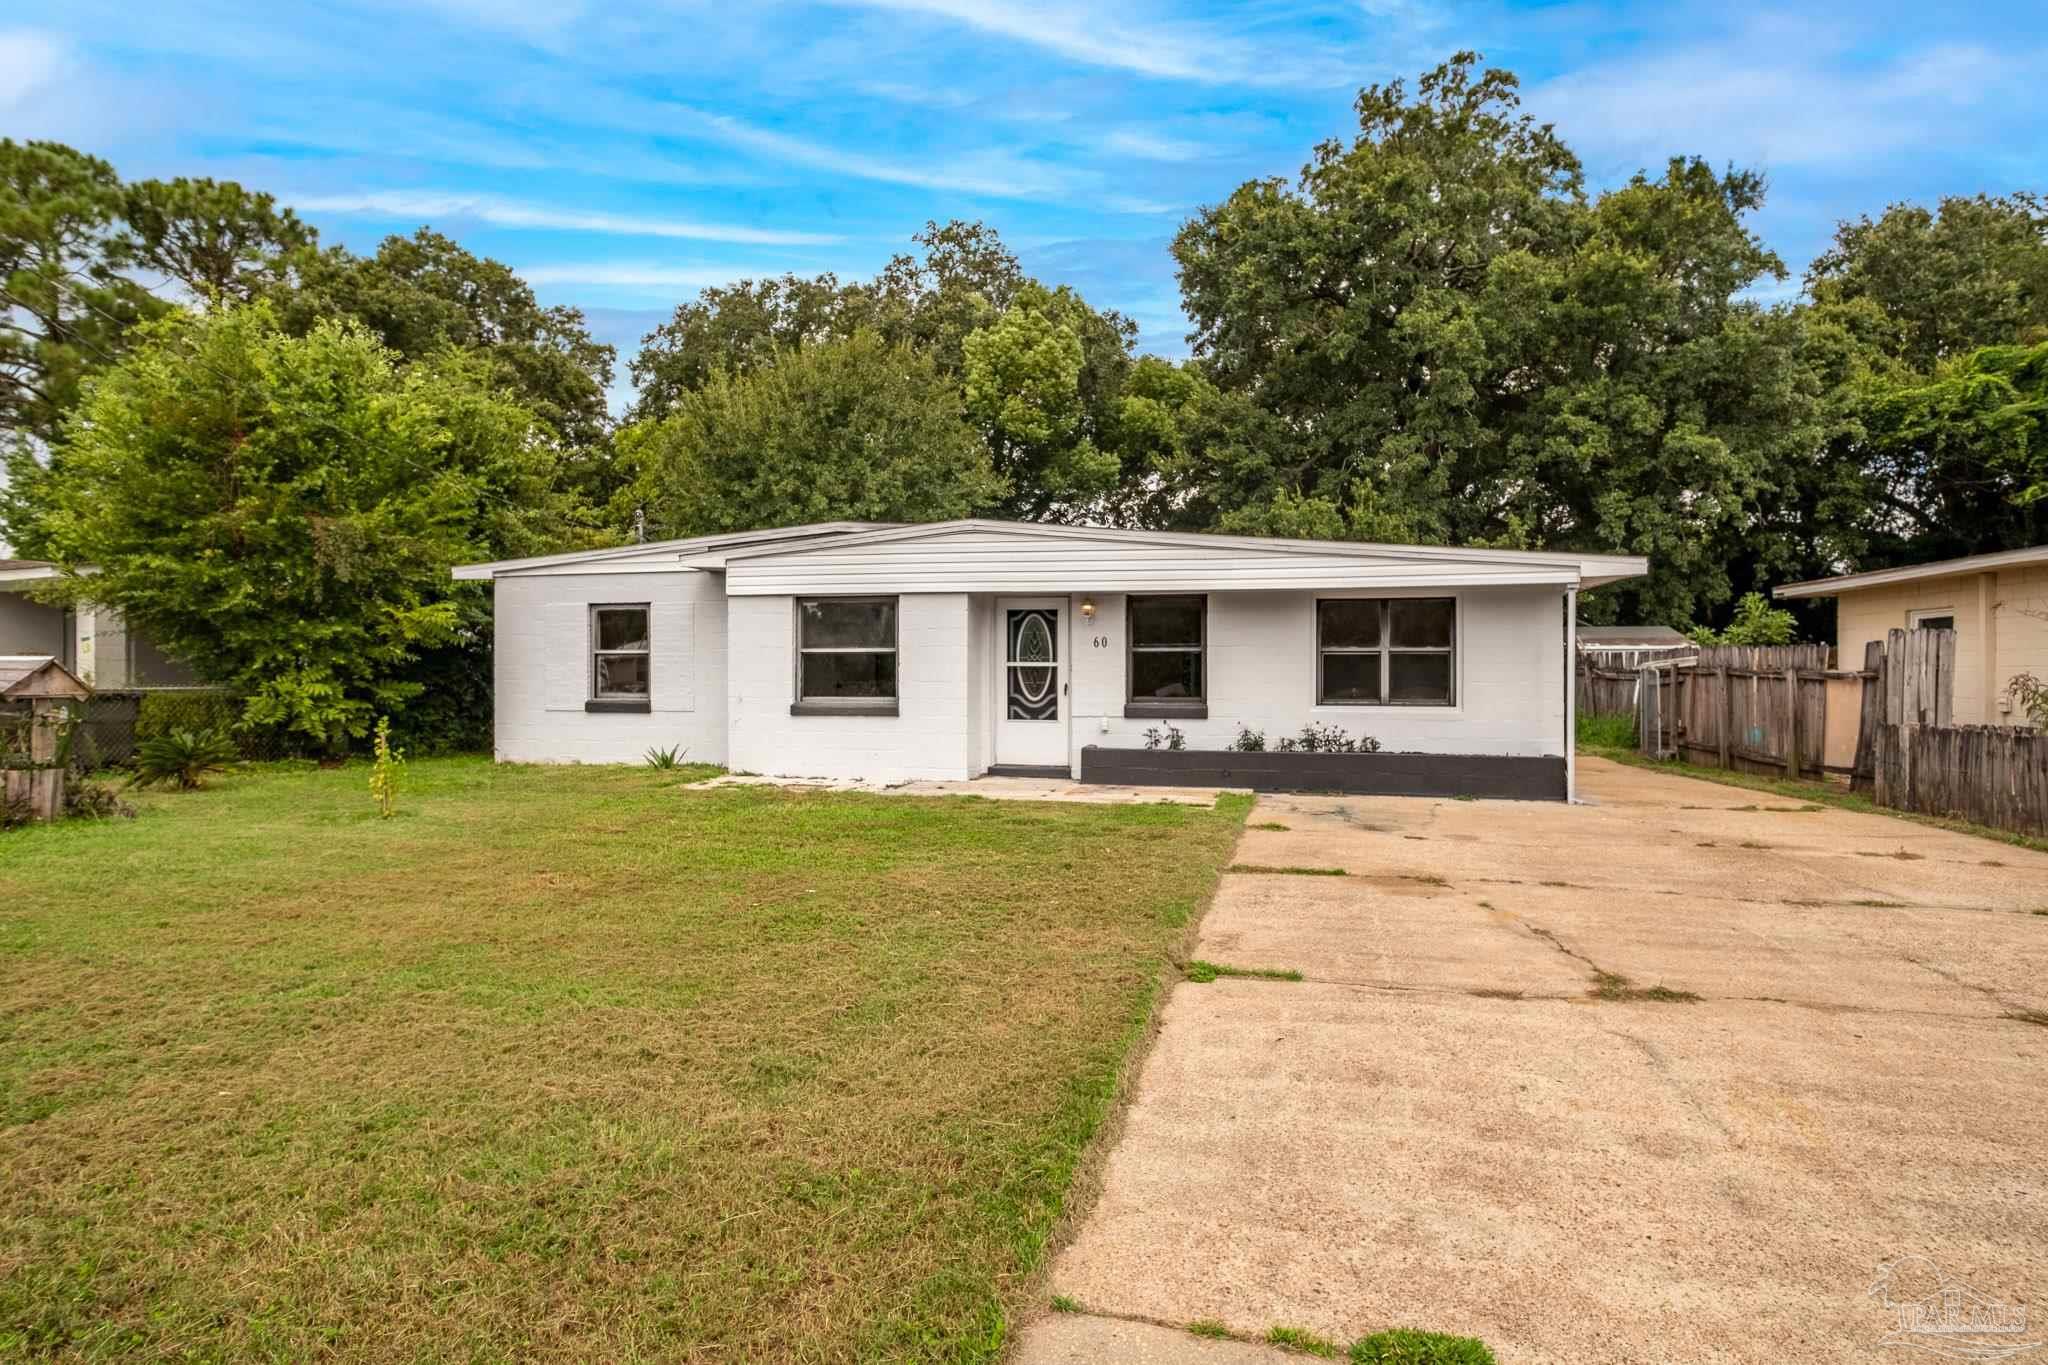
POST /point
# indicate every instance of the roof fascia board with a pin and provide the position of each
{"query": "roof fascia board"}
(1908, 573)
(1608, 568)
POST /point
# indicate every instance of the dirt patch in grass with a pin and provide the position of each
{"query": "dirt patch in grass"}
(1261, 869)
(568, 1063)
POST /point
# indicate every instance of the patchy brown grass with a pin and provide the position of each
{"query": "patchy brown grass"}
(562, 1063)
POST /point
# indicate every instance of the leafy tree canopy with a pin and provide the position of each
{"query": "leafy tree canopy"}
(1461, 347)
(855, 429)
(281, 511)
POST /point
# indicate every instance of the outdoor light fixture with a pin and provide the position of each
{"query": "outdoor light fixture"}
(1088, 609)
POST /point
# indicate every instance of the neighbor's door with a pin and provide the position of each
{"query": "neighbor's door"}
(1031, 682)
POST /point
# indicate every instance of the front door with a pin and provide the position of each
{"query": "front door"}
(1031, 682)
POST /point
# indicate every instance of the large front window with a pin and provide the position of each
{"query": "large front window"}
(1386, 651)
(1167, 637)
(846, 649)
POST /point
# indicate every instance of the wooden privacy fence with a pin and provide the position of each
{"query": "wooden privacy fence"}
(1754, 708)
(1609, 679)
(1993, 775)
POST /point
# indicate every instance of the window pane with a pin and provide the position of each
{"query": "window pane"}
(1351, 677)
(622, 675)
(1422, 622)
(1167, 675)
(1419, 677)
(829, 676)
(849, 625)
(622, 628)
(1350, 624)
(1166, 621)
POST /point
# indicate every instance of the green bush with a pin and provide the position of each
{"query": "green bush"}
(159, 713)
(1403, 1347)
(85, 799)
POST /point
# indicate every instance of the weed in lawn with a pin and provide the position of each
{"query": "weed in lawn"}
(1269, 824)
(1403, 1347)
(1495, 993)
(1260, 869)
(1614, 986)
(1062, 1304)
(1752, 843)
(1880, 905)
(1209, 1327)
(605, 1068)
(1204, 972)
(1302, 1340)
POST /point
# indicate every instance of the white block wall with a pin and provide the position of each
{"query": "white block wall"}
(542, 668)
(930, 737)
(1262, 673)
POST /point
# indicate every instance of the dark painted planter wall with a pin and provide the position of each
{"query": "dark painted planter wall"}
(1478, 775)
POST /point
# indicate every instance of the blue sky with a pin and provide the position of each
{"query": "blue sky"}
(622, 156)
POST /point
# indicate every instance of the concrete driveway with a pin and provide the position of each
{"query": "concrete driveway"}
(1446, 1126)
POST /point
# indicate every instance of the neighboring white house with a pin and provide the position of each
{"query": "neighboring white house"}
(93, 642)
(948, 650)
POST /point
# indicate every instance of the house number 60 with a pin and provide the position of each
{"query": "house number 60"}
(1101, 642)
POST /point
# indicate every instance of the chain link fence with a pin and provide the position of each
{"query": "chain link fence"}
(110, 724)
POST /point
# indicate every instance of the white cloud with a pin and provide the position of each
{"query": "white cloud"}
(429, 204)
(1162, 48)
(994, 173)
(1150, 146)
(1778, 98)
(30, 63)
(647, 274)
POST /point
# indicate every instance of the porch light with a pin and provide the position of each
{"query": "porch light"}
(1087, 608)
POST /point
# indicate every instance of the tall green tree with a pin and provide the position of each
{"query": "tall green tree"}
(1452, 343)
(422, 294)
(65, 304)
(281, 512)
(1971, 273)
(212, 238)
(857, 429)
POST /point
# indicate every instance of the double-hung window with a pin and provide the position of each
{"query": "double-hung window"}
(1386, 651)
(846, 654)
(1167, 668)
(620, 669)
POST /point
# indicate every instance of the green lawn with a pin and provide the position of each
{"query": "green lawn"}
(562, 1062)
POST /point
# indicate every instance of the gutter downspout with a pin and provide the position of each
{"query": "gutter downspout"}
(1571, 695)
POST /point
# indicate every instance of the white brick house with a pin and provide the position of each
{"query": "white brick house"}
(947, 650)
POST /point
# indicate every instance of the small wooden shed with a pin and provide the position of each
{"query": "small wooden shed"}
(36, 696)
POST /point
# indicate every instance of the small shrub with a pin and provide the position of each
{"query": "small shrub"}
(1171, 738)
(1330, 739)
(1403, 1347)
(2030, 694)
(1756, 622)
(1249, 741)
(666, 759)
(385, 770)
(182, 758)
(88, 800)
(16, 811)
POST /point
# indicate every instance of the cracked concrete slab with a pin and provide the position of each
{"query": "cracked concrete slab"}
(1572, 1179)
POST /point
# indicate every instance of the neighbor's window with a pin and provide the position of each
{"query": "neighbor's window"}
(846, 649)
(618, 637)
(1386, 651)
(1166, 648)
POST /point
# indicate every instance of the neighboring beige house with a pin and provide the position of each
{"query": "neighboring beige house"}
(93, 642)
(1997, 604)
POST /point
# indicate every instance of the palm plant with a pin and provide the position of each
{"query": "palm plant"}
(182, 758)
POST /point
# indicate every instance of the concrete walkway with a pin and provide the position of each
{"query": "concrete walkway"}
(1058, 789)
(1443, 1127)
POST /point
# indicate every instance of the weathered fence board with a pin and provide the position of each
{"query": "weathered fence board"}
(1608, 678)
(1760, 708)
(1989, 774)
